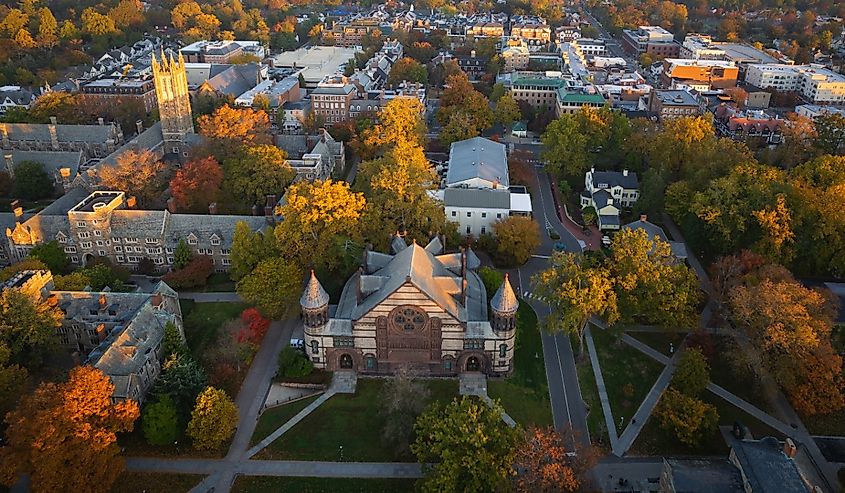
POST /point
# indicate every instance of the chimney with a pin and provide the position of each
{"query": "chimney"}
(132, 202)
(18, 210)
(268, 210)
(100, 121)
(644, 217)
(463, 263)
(171, 205)
(624, 172)
(10, 164)
(212, 208)
(103, 301)
(139, 126)
(464, 291)
(255, 210)
(359, 294)
(472, 54)
(789, 448)
(4, 133)
(53, 120)
(54, 136)
(156, 299)
(364, 260)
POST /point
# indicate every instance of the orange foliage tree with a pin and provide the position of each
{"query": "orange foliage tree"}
(544, 462)
(64, 435)
(137, 173)
(197, 184)
(229, 126)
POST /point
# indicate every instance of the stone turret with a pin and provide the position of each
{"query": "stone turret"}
(314, 304)
(504, 306)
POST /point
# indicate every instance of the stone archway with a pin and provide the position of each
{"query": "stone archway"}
(345, 362)
(87, 259)
(473, 364)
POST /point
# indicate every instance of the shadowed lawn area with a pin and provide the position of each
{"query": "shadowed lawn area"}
(655, 441)
(660, 341)
(273, 418)
(595, 414)
(150, 482)
(351, 421)
(740, 382)
(628, 374)
(219, 282)
(203, 320)
(254, 484)
(525, 394)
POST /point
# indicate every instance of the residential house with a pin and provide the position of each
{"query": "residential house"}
(312, 157)
(608, 192)
(15, 97)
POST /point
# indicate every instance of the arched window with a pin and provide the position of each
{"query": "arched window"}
(371, 362)
(503, 350)
(315, 347)
(346, 361)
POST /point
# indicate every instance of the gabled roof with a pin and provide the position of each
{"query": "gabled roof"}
(615, 178)
(477, 158)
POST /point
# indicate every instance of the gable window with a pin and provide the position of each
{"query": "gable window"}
(192, 240)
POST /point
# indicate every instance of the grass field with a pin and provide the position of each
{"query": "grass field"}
(525, 394)
(350, 421)
(595, 414)
(661, 342)
(628, 374)
(250, 484)
(148, 482)
(203, 321)
(275, 417)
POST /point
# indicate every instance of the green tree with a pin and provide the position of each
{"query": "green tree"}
(687, 417)
(507, 111)
(13, 380)
(173, 342)
(53, 255)
(182, 255)
(213, 420)
(273, 286)
(31, 181)
(565, 147)
(470, 447)
(257, 171)
(315, 215)
(692, 374)
(830, 129)
(68, 30)
(25, 264)
(160, 422)
(576, 292)
(407, 69)
(181, 379)
(292, 363)
(518, 237)
(27, 326)
(497, 92)
(249, 248)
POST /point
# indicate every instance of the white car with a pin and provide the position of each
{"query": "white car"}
(297, 343)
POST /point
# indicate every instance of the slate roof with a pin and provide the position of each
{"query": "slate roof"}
(52, 160)
(607, 220)
(425, 271)
(703, 476)
(504, 301)
(235, 80)
(477, 198)
(602, 199)
(477, 158)
(766, 467)
(314, 296)
(98, 134)
(614, 178)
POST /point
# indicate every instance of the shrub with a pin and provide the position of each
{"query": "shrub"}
(492, 279)
(292, 363)
(194, 275)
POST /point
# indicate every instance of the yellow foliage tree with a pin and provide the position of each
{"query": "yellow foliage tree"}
(213, 420)
(400, 123)
(687, 417)
(64, 435)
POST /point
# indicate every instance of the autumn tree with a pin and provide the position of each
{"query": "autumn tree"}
(650, 284)
(314, 215)
(160, 422)
(27, 326)
(273, 286)
(213, 420)
(517, 239)
(507, 111)
(464, 112)
(692, 374)
(14, 379)
(576, 292)
(230, 127)
(64, 106)
(249, 248)
(257, 171)
(790, 327)
(467, 443)
(64, 435)
(402, 399)
(546, 463)
(97, 24)
(47, 28)
(197, 184)
(399, 122)
(688, 418)
(407, 69)
(137, 173)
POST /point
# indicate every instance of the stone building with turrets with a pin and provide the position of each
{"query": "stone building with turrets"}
(174, 103)
(417, 307)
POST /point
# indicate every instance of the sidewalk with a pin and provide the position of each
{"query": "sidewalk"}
(225, 297)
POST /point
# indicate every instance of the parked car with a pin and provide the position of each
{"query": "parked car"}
(297, 343)
(560, 246)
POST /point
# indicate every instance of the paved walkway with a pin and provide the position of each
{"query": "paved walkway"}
(280, 394)
(211, 297)
(610, 423)
(277, 468)
(288, 425)
(476, 384)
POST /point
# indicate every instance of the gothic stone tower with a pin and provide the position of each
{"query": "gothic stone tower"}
(174, 102)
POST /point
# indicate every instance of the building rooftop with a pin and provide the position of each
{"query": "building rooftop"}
(766, 467)
(318, 61)
(703, 476)
(675, 97)
(477, 158)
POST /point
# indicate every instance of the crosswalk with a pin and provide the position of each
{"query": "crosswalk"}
(533, 296)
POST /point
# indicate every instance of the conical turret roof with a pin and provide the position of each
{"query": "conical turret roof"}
(504, 301)
(314, 296)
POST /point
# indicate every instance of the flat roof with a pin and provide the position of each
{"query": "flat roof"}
(95, 199)
(742, 53)
(318, 61)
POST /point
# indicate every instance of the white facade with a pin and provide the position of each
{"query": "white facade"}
(589, 46)
(700, 47)
(476, 211)
(816, 83)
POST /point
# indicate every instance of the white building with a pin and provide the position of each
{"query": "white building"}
(815, 83)
(814, 111)
(701, 47)
(590, 46)
(476, 190)
(608, 192)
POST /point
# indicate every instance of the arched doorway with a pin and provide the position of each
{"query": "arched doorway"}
(473, 364)
(87, 260)
(345, 362)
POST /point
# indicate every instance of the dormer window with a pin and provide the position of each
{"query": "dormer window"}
(215, 240)
(192, 240)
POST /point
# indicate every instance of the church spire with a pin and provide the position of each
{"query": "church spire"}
(504, 302)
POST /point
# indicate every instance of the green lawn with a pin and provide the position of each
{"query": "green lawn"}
(351, 421)
(525, 394)
(251, 484)
(203, 320)
(219, 282)
(655, 441)
(134, 444)
(595, 414)
(660, 341)
(275, 417)
(148, 482)
(628, 374)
